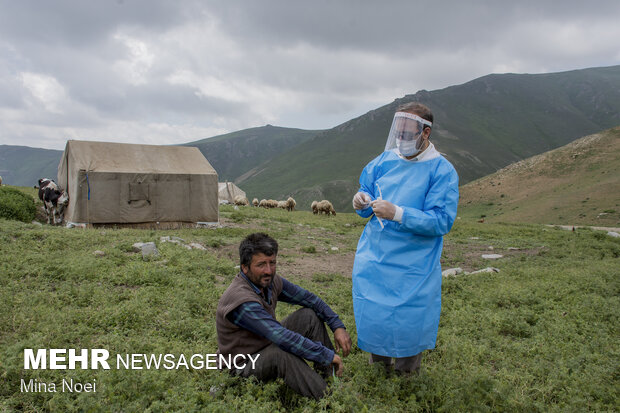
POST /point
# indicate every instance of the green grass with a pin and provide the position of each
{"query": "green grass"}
(540, 335)
(15, 204)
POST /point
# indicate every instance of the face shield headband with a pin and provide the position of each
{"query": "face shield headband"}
(406, 133)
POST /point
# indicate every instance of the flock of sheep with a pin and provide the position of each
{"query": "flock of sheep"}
(289, 204)
(318, 207)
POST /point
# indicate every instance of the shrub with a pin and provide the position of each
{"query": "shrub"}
(321, 278)
(16, 205)
(237, 216)
(311, 249)
(215, 243)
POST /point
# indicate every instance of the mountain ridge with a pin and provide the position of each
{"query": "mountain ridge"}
(477, 131)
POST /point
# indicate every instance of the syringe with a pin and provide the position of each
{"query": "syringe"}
(379, 198)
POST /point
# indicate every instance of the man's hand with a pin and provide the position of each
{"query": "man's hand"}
(361, 200)
(383, 209)
(338, 365)
(342, 341)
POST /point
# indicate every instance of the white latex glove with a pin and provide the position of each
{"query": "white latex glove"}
(383, 209)
(361, 200)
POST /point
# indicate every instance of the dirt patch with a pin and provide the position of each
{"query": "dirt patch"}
(256, 224)
(306, 265)
(293, 261)
(574, 227)
(469, 256)
(230, 252)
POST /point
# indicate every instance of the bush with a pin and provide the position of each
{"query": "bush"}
(309, 249)
(16, 205)
(237, 216)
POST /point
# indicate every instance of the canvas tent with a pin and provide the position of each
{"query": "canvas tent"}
(128, 184)
(228, 191)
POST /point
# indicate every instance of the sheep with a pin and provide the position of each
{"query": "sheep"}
(268, 203)
(255, 202)
(290, 204)
(326, 207)
(282, 204)
(315, 210)
(241, 200)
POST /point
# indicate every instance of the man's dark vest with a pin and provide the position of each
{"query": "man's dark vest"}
(232, 339)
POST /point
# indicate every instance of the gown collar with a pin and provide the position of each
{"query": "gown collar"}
(429, 153)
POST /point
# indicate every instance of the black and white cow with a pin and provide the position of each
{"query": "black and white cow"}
(54, 200)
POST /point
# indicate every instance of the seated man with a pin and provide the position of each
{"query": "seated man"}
(246, 323)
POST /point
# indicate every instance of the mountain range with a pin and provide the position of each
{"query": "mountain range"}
(23, 165)
(480, 126)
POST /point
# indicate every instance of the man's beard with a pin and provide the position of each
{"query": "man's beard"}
(262, 281)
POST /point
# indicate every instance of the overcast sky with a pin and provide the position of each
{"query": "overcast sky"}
(171, 72)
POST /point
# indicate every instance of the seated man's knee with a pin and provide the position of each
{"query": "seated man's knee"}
(307, 312)
(306, 316)
(305, 322)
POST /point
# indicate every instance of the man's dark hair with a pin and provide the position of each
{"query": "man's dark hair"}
(417, 108)
(256, 243)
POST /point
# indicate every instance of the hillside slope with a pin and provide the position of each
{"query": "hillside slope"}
(234, 154)
(480, 126)
(23, 166)
(578, 183)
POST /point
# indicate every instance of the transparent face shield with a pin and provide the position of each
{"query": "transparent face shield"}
(406, 133)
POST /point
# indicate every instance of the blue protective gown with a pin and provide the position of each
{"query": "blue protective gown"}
(396, 273)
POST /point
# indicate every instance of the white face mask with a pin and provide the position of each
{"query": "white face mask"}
(408, 148)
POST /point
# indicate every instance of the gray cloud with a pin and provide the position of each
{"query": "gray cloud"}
(170, 72)
(83, 24)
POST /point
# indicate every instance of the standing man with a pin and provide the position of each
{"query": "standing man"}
(246, 323)
(412, 190)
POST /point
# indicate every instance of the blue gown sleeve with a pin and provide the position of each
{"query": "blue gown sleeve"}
(367, 185)
(440, 205)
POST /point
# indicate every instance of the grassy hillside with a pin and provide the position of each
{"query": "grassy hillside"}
(539, 336)
(23, 166)
(480, 126)
(576, 184)
(235, 154)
